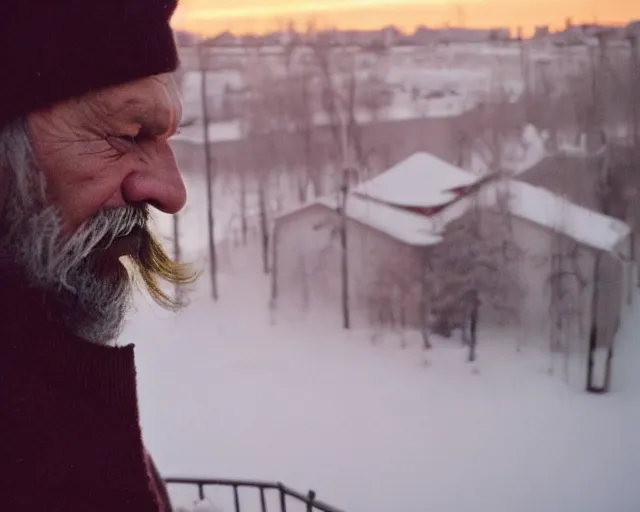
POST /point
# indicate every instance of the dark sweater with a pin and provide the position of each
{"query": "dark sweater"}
(70, 438)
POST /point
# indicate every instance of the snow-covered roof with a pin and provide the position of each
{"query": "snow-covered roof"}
(421, 180)
(407, 227)
(534, 204)
(544, 208)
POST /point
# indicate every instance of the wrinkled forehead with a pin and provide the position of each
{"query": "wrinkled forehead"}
(152, 103)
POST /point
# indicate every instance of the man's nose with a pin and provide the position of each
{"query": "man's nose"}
(157, 183)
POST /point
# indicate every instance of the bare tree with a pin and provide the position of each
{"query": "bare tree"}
(497, 123)
(598, 94)
(393, 298)
(342, 204)
(426, 284)
(596, 124)
(337, 72)
(568, 283)
(209, 173)
(343, 233)
(266, 127)
(387, 307)
(302, 92)
(591, 387)
(633, 170)
(475, 265)
(337, 67)
(242, 190)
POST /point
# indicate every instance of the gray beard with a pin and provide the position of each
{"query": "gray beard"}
(94, 306)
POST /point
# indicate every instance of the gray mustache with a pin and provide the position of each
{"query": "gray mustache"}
(120, 222)
(136, 218)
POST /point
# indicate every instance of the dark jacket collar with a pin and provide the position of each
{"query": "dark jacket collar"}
(32, 332)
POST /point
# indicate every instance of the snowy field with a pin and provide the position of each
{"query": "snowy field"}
(226, 391)
(376, 428)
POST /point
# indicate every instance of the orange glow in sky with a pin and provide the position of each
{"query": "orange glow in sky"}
(212, 16)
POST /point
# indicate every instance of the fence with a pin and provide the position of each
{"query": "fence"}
(284, 492)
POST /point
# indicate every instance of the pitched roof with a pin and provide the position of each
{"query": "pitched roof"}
(422, 180)
(407, 227)
(546, 209)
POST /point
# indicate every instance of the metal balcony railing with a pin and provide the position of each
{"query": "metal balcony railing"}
(284, 493)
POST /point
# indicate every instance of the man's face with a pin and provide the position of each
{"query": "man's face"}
(110, 149)
(99, 162)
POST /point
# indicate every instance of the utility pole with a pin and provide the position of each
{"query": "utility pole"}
(597, 128)
(634, 80)
(593, 330)
(213, 260)
(346, 169)
(525, 74)
(344, 252)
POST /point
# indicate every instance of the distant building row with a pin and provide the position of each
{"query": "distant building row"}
(385, 37)
(393, 36)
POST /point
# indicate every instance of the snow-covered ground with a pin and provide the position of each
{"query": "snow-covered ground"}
(226, 392)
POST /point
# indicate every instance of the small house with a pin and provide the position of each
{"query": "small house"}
(389, 221)
(393, 223)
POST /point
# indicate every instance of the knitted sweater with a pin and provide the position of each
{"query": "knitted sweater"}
(70, 439)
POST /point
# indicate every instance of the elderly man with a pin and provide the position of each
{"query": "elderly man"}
(87, 105)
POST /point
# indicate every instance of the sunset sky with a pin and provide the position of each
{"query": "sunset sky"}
(212, 16)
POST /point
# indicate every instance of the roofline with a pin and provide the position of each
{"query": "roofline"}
(580, 243)
(460, 192)
(277, 220)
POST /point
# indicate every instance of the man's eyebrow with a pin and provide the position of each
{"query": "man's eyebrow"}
(151, 122)
(151, 126)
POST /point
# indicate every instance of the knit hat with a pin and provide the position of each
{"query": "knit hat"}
(54, 50)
